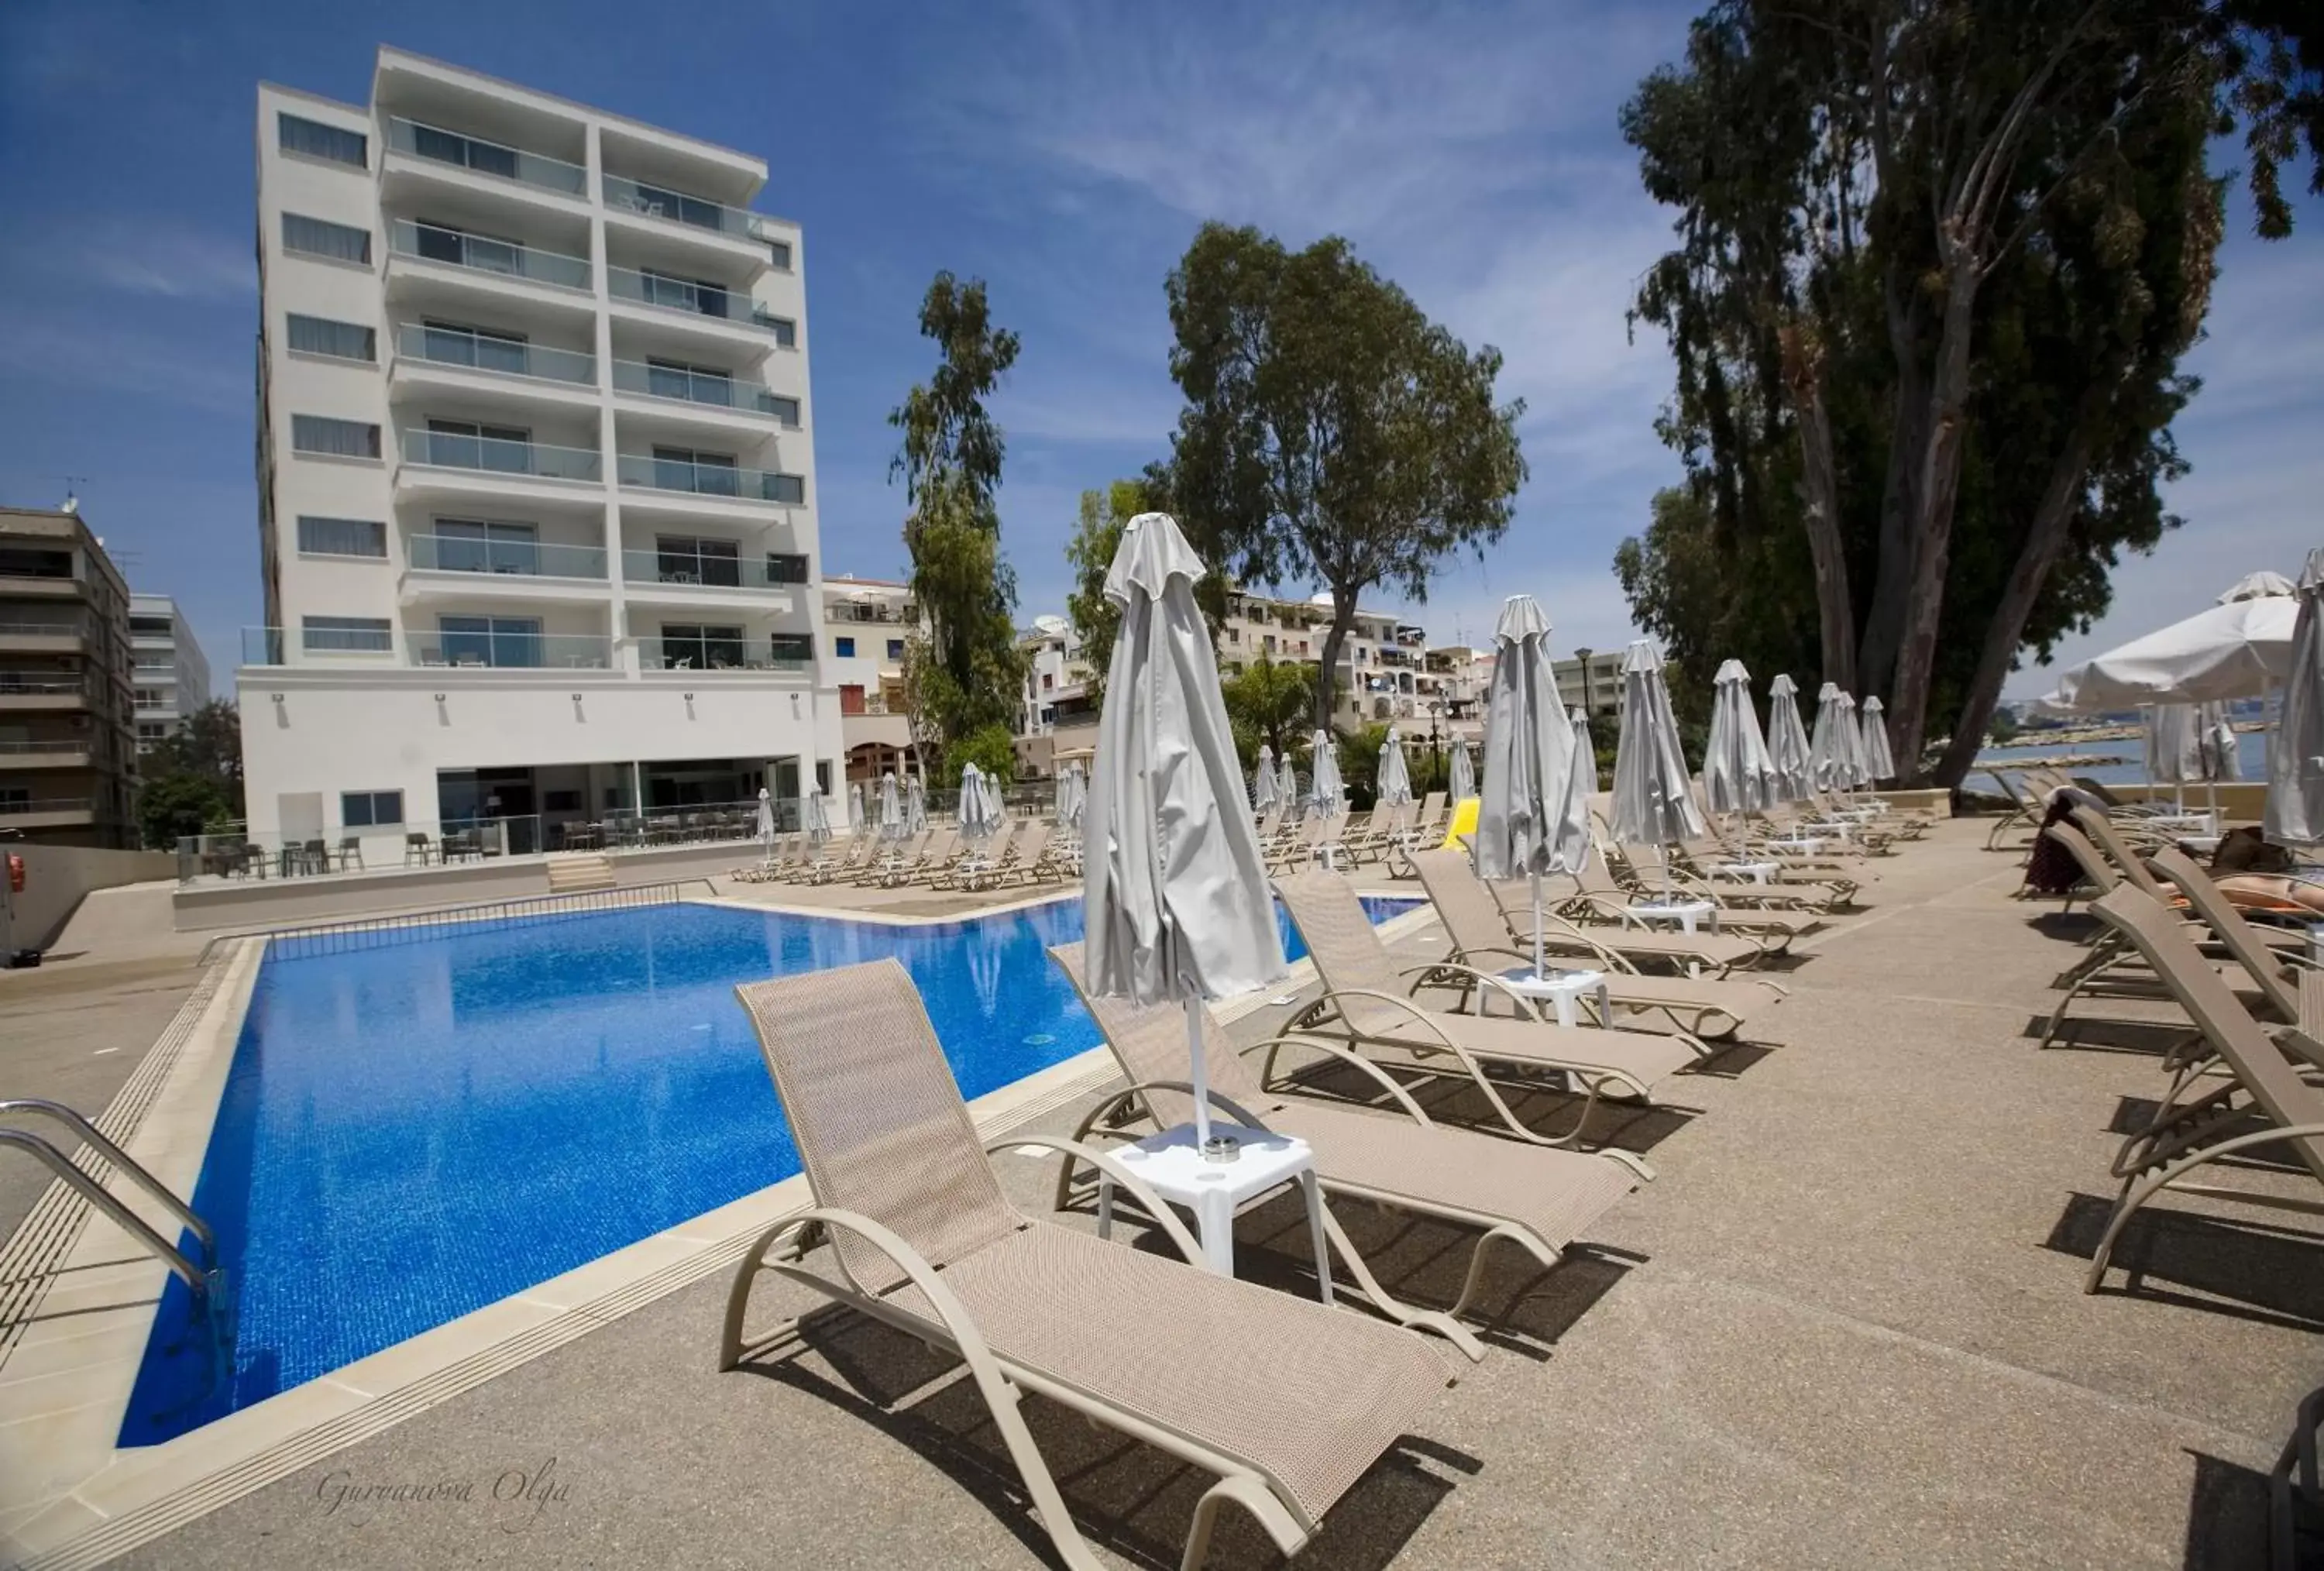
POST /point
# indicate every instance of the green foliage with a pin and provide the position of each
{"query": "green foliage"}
(1808, 148)
(1332, 433)
(2003, 728)
(1096, 537)
(965, 673)
(172, 804)
(1268, 701)
(990, 748)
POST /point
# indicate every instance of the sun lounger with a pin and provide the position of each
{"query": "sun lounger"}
(2291, 1106)
(1643, 948)
(1538, 1200)
(1638, 873)
(1366, 1003)
(1599, 896)
(1286, 1402)
(1481, 938)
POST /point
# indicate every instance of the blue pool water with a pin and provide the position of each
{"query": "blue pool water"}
(412, 1131)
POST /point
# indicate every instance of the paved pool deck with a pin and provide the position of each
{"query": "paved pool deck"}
(1843, 1327)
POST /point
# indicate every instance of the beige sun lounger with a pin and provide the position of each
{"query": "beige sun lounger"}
(1366, 1003)
(1538, 1200)
(1635, 872)
(1288, 1402)
(1481, 937)
(1599, 897)
(2164, 1157)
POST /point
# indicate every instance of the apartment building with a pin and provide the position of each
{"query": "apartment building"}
(866, 624)
(536, 471)
(171, 676)
(1590, 681)
(1377, 679)
(67, 742)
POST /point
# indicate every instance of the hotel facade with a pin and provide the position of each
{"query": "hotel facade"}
(536, 472)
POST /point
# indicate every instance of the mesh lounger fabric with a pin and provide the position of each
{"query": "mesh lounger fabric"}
(1309, 1395)
(1474, 921)
(1556, 1195)
(1349, 956)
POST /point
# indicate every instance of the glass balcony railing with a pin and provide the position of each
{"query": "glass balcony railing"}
(43, 629)
(697, 299)
(443, 553)
(788, 655)
(630, 195)
(482, 352)
(502, 650)
(19, 807)
(492, 455)
(767, 570)
(434, 243)
(651, 474)
(857, 611)
(687, 385)
(68, 745)
(473, 153)
(44, 684)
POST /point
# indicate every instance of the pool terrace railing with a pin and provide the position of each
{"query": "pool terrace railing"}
(306, 942)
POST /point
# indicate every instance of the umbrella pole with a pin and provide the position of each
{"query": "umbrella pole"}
(1220, 1149)
(1537, 929)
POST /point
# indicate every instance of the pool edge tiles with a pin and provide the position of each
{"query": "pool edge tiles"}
(123, 1497)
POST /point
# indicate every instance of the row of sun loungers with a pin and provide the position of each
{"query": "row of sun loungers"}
(1024, 852)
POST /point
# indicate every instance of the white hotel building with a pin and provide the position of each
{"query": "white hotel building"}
(536, 471)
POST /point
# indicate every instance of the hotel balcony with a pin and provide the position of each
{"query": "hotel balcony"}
(446, 267)
(20, 813)
(783, 654)
(680, 489)
(664, 216)
(445, 463)
(441, 567)
(58, 637)
(435, 150)
(43, 692)
(61, 753)
(735, 403)
(438, 360)
(704, 311)
(763, 581)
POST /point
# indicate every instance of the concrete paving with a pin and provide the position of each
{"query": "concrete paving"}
(1844, 1328)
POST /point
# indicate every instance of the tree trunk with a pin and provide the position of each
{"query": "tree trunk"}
(1876, 661)
(2044, 543)
(1836, 612)
(1937, 487)
(1343, 621)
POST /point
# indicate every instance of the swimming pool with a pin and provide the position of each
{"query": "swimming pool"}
(412, 1131)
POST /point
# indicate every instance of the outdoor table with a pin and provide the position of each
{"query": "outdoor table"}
(1838, 828)
(1561, 988)
(1804, 845)
(1756, 871)
(2200, 823)
(1687, 913)
(1214, 1191)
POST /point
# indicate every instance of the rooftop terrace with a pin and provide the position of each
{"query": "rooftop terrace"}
(1845, 1327)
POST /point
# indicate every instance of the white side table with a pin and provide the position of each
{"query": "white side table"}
(1173, 1168)
(1561, 988)
(1756, 871)
(1802, 844)
(1687, 913)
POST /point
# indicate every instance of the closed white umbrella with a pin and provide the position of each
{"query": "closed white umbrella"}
(1830, 755)
(892, 808)
(855, 807)
(1464, 777)
(2295, 752)
(2174, 747)
(1527, 821)
(1324, 785)
(814, 818)
(2216, 735)
(916, 805)
(763, 831)
(1787, 742)
(2236, 648)
(1174, 893)
(1737, 775)
(1266, 790)
(1851, 742)
(1287, 782)
(1394, 777)
(1652, 803)
(980, 809)
(1073, 796)
(1880, 763)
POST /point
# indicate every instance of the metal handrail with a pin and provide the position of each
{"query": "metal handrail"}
(198, 1278)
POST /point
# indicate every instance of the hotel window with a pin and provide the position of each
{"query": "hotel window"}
(797, 648)
(370, 809)
(347, 635)
(786, 410)
(784, 568)
(316, 140)
(340, 340)
(895, 649)
(687, 646)
(336, 438)
(844, 648)
(684, 559)
(465, 545)
(341, 537)
(449, 343)
(790, 488)
(334, 242)
(779, 252)
(490, 641)
(786, 332)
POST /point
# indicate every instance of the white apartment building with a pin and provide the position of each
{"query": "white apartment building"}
(866, 624)
(169, 675)
(536, 471)
(1378, 679)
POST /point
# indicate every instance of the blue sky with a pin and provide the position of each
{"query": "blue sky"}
(1065, 153)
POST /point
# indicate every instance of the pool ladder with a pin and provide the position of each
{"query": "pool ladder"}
(205, 1282)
